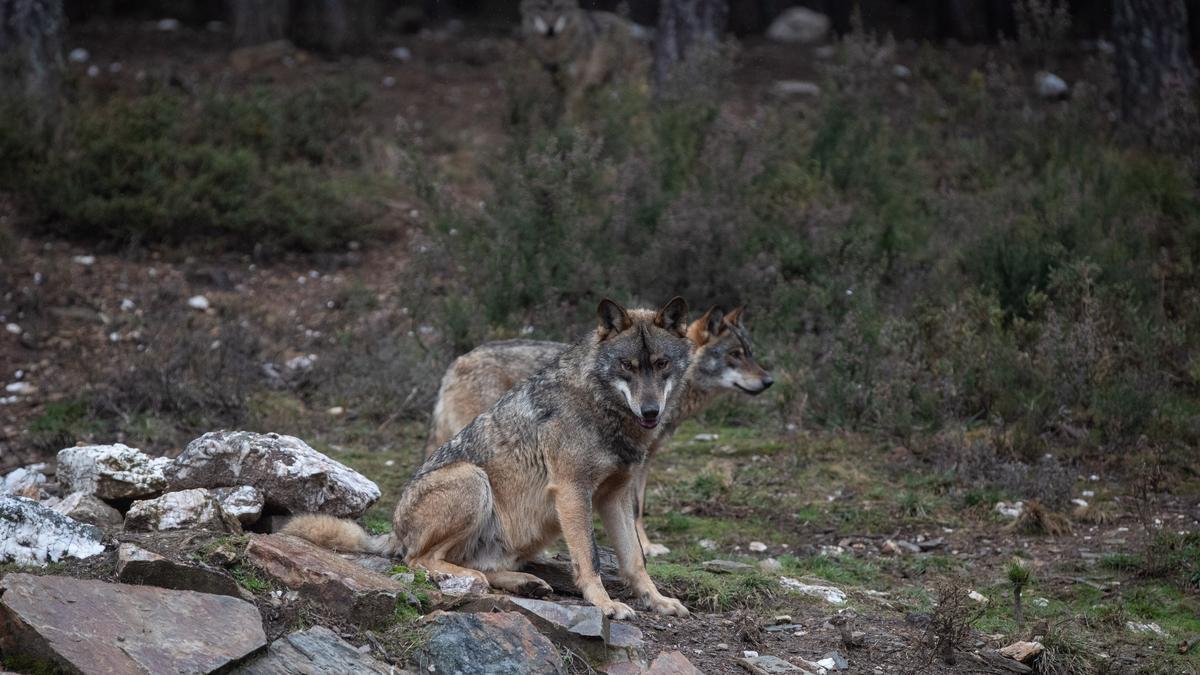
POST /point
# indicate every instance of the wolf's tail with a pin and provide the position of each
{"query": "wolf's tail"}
(343, 536)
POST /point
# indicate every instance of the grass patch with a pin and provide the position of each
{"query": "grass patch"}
(247, 577)
(711, 592)
(839, 569)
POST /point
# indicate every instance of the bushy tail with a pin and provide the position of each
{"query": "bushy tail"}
(343, 536)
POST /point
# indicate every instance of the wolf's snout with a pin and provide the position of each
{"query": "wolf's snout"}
(650, 411)
(767, 381)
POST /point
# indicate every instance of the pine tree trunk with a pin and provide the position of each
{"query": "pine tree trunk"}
(257, 22)
(1154, 67)
(683, 27)
(31, 55)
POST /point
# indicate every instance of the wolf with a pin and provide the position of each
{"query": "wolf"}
(581, 49)
(533, 466)
(722, 360)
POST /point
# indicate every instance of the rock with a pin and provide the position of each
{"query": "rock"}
(930, 544)
(1022, 651)
(799, 25)
(25, 481)
(978, 597)
(136, 565)
(85, 260)
(557, 571)
(901, 72)
(705, 438)
(834, 596)
(111, 471)
(194, 509)
(1012, 510)
(342, 588)
(244, 502)
(463, 585)
(1049, 85)
(770, 565)
(625, 642)
(167, 25)
(79, 55)
(1081, 503)
(401, 54)
(1139, 627)
(253, 57)
(788, 88)
(726, 567)
(498, 643)
(757, 547)
(199, 303)
(769, 665)
(33, 534)
(581, 628)
(87, 626)
(707, 544)
(316, 651)
(1040, 603)
(375, 563)
(899, 547)
(87, 508)
(672, 663)
(833, 661)
(292, 476)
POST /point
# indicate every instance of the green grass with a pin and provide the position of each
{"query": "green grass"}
(248, 578)
(706, 591)
(846, 570)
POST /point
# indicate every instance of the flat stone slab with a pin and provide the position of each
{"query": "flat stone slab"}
(727, 567)
(90, 509)
(487, 644)
(316, 651)
(93, 627)
(582, 628)
(770, 665)
(114, 471)
(31, 534)
(341, 587)
(136, 565)
(194, 509)
(292, 476)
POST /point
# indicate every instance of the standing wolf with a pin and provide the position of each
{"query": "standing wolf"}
(583, 49)
(722, 359)
(535, 464)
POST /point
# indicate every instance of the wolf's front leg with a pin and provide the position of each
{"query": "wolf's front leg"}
(616, 511)
(574, 506)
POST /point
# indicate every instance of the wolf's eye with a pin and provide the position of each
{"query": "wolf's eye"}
(661, 363)
(626, 364)
(735, 354)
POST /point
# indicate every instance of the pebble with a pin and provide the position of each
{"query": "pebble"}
(198, 302)
(758, 546)
(85, 260)
(167, 24)
(401, 54)
(12, 328)
(79, 55)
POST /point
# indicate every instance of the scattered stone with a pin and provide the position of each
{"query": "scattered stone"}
(111, 471)
(705, 438)
(1081, 503)
(787, 88)
(93, 627)
(136, 565)
(930, 544)
(195, 509)
(978, 597)
(316, 651)
(1039, 603)
(32, 534)
(85, 260)
(582, 628)
(899, 547)
(291, 475)
(13, 328)
(167, 25)
(799, 25)
(336, 411)
(463, 585)
(780, 619)
(834, 596)
(1008, 510)
(79, 55)
(834, 661)
(757, 547)
(502, 642)
(20, 388)
(901, 72)
(770, 565)
(1023, 652)
(727, 567)
(25, 481)
(244, 502)
(199, 303)
(1139, 627)
(784, 628)
(672, 663)
(769, 665)
(401, 54)
(89, 509)
(1049, 85)
(722, 647)
(708, 544)
(341, 587)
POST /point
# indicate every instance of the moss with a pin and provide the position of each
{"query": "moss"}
(706, 591)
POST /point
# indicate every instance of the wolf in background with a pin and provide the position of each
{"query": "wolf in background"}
(722, 359)
(534, 465)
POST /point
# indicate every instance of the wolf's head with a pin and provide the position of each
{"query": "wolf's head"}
(642, 357)
(723, 356)
(549, 27)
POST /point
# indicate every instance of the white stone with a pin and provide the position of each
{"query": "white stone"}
(1012, 510)
(1040, 603)
(799, 25)
(834, 596)
(901, 72)
(244, 502)
(707, 544)
(89, 509)
(1049, 85)
(79, 55)
(12, 328)
(23, 480)
(705, 438)
(127, 305)
(198, 302)
(111, 471)
(978, 597)
(402, 54)
(31, 534)
(1082, 503)
(85, 260)
(1139, 627)
(464, 585)
(185, 509)
(758, 546)
(20, 388)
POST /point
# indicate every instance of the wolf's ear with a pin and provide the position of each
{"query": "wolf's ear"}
(673, 316)
(706, 327)
(613, 318)
(734, 318)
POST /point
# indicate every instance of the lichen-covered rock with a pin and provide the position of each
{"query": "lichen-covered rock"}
(186, 509)
(88, 509)
(31, 534)
(292, 476)
(244, 502)
(316, 651)
(25, 481)
(503, 642)
(111, 471)
(93, 627)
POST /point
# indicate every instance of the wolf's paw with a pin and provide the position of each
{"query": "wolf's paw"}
(618, 611)
(655, 550)
(669, 606)
(535, 588)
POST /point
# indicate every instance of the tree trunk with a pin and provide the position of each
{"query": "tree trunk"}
(684, 26)
(336, 26)
(1155, 70)
(31, 55)
(257, 22)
